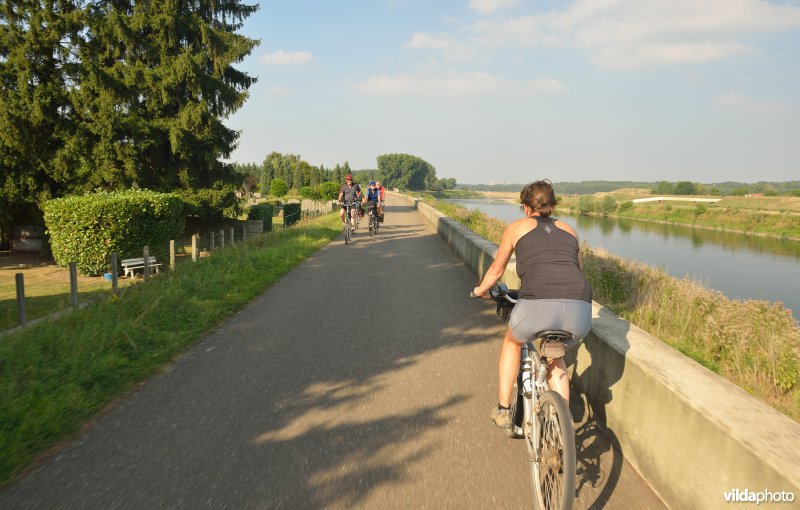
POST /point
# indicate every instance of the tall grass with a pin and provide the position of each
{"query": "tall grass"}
(754, 344)
(56, 375)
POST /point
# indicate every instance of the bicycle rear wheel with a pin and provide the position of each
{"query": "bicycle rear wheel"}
(553, 475)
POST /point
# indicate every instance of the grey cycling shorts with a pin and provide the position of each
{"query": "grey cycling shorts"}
(532, 316)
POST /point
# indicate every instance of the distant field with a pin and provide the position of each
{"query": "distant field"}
(771, 216)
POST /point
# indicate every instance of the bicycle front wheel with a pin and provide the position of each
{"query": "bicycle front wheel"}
(347, 229)
(553, 474)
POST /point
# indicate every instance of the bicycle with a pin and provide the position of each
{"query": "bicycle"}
(349, 223)
(549, 438)
(373, 220)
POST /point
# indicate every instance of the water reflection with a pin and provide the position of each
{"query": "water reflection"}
(741, 266)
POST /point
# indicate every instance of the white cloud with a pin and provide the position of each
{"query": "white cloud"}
(545, 85)
(281, 58)
(456, 84)
(628, 57)
(635, 33)
(425, 41)
(733, 100)
(488, 6)
(446, 43)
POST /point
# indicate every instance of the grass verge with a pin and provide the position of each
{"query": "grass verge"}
(754, 344)
(56, 375)
(773, 216)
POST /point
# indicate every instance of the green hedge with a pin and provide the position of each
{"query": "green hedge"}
(291, 214)
(262, 212)
(87, 229)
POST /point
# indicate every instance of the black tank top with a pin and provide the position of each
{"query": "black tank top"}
(547, 264)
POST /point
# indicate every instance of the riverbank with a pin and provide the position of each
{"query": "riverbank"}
(718, 332)
(776, 217)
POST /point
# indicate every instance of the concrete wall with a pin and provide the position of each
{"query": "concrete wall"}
(689, 433)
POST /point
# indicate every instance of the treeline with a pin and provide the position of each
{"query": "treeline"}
(402, 171)
(788, 188)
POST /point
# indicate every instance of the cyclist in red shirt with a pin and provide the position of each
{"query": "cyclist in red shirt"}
(381, 199)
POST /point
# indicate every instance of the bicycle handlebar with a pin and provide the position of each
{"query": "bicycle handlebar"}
(496, 295)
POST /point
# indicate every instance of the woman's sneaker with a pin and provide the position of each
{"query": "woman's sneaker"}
(502, 418)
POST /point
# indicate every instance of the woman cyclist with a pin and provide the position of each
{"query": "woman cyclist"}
(554, 293)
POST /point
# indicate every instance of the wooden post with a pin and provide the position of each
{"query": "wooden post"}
(194, 248)
(211, 234)
(114, 273)
(146, 271)
(73, 282)
(222, 238)
(171, 255)
(232, 237)
(23, 319)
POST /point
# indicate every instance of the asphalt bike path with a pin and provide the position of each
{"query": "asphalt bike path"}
(361, 379)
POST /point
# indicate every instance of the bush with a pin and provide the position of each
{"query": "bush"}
(699, 209)
(624, 206)
(607, 205)
(310, 193)
(262, 212)
(87, 229)
(207, 203)
(329, 190)
(291, 214)
(586, 204)
(278, 188)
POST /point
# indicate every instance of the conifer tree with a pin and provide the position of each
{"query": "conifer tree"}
(158, 82)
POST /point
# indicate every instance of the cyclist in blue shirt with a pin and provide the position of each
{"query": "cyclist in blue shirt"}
(373, 197)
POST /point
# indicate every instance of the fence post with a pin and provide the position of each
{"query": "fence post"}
(213, 246)
(73, 282)
(114, 274)
(222, 238)
(146, 271)
(23, 319)
(171, 255)
(194, 248)
(233, 239)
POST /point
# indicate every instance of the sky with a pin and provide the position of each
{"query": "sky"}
(509, 91)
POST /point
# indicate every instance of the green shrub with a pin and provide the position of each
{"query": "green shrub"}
(329, 190)
(607, 205)
(624, 206)
(207, 203)
(262, 212)
(278, 188)
(699, 209)
(586, 204)
(87, 229)
(306, 192)
(291, 214)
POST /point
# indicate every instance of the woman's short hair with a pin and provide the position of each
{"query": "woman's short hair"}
(540, 197)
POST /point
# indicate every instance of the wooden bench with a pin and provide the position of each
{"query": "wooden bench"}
(129, 265)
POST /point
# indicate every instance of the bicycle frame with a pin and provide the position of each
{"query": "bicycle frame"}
(533, 385)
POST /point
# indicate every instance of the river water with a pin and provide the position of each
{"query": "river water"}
(738, 265)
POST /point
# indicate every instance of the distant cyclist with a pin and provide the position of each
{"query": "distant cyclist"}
(373, 197)
(348, 194)
(381, 198)
(554, 293)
